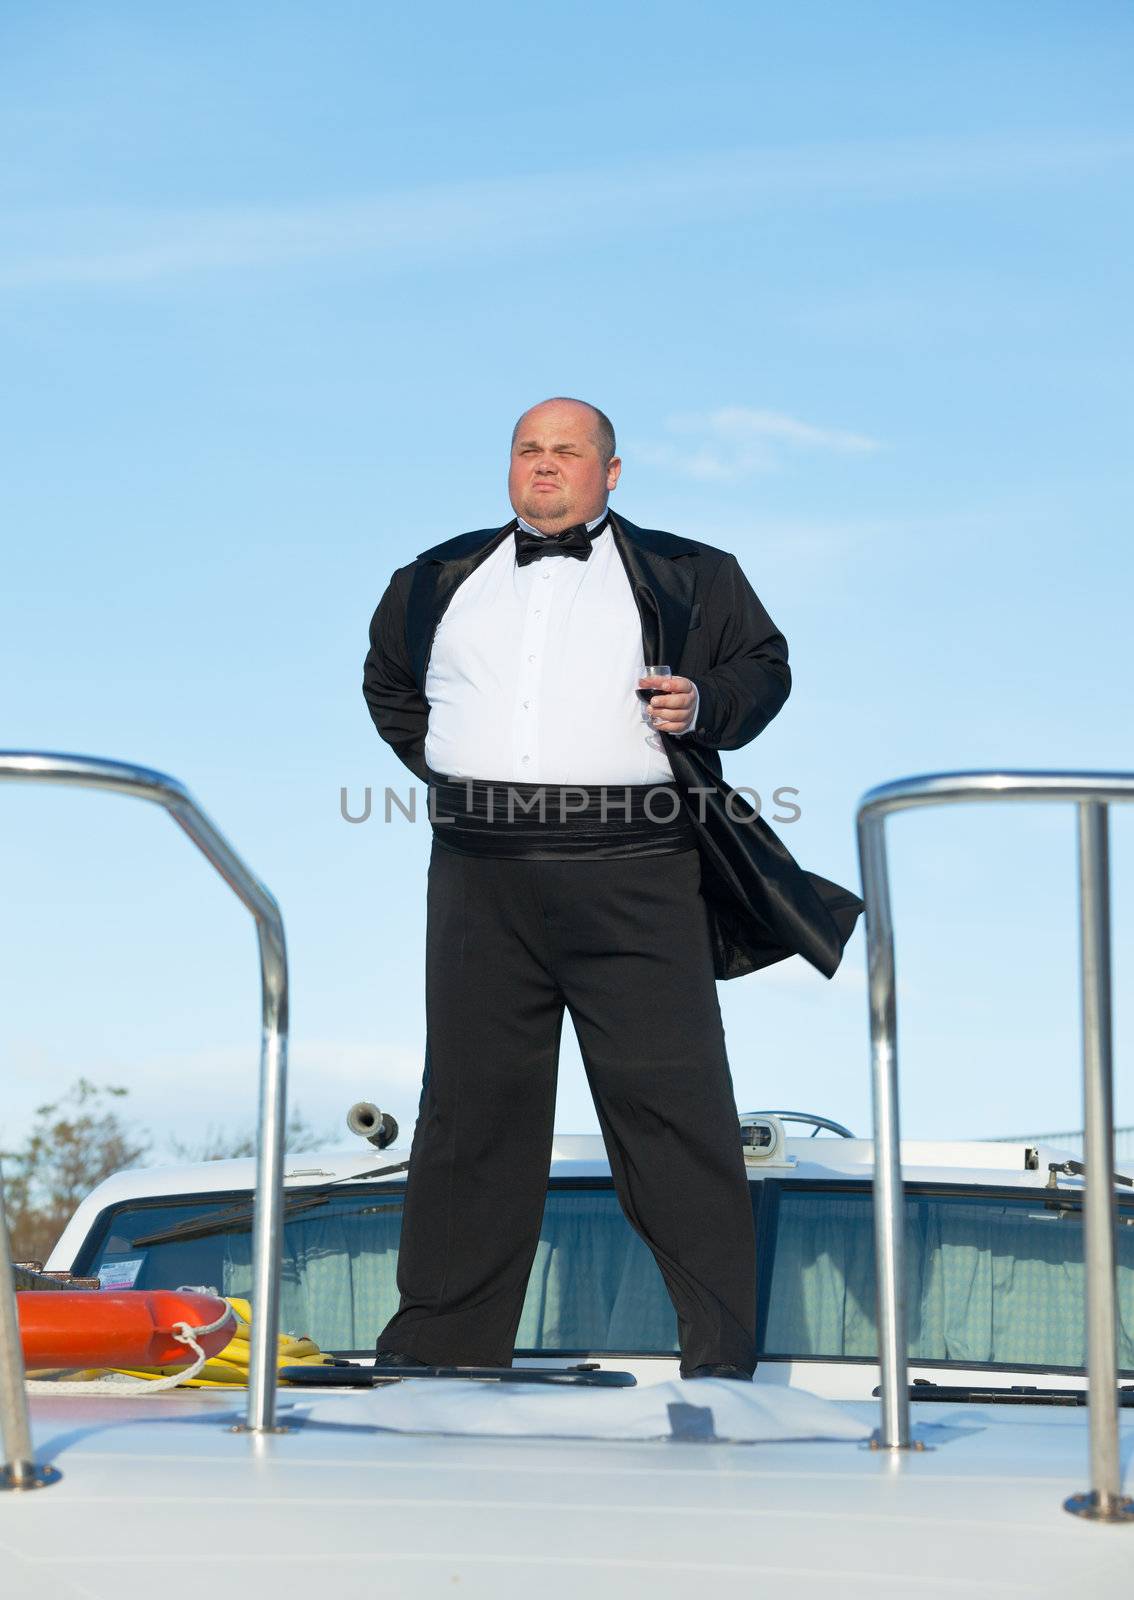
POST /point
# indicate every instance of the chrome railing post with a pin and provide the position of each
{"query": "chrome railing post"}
(119, 777)
(271, 1127)
(18, 1468)
(889, 1202)
(1104, 1501)
(267, 1216)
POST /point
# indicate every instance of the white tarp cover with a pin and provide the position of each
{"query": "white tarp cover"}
(706, 1410)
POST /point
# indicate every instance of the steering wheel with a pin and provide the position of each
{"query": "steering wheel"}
(817, 1124)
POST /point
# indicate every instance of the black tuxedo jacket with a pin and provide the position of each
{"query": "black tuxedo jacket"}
(700, 615)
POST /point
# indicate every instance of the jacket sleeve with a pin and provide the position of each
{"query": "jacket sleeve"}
(399, 710)
(749, 679)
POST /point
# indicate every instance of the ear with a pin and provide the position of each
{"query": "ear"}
(613, 471)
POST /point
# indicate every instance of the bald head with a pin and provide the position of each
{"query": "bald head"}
(601, 426)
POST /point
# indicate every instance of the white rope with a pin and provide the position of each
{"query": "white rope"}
(227, 1315)
(111, 1385)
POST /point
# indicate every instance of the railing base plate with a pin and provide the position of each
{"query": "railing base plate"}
(38, 1478)
(1088, 1505)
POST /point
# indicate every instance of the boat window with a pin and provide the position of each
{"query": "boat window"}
(594, 1286)
(993, 1280)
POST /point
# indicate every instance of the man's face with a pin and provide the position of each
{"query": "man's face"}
(557, 475)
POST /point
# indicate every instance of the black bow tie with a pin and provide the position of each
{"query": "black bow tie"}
(574, 541)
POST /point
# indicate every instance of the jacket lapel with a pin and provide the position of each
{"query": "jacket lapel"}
(662, 587)
(439, 574)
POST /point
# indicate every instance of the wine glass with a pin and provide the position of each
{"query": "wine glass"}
(652, 670)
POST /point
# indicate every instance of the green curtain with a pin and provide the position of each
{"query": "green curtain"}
(990, 1280)
(594, 1285)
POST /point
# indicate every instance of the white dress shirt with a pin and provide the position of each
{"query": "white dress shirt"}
(534, 672)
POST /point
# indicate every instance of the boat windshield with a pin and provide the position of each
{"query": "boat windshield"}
(996, 1278)
(593, 1289)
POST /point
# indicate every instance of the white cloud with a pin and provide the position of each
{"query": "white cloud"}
(736, 441)
(103, 246)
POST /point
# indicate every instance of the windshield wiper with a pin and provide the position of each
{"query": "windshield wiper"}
(350, 1375)
(236, 1219)
(1076, 1169)
(1016, 1394)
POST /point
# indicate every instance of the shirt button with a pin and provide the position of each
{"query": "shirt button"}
(547, 577)
(539, 613)
(525, 759)
(527, 703)
(531, 658)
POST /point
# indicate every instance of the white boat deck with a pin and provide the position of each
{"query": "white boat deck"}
(159, 1498)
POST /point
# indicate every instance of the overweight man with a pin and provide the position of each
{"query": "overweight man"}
(587, 857)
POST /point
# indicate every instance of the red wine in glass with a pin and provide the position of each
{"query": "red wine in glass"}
(652, 670)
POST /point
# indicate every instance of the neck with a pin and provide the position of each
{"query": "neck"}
(551, 529)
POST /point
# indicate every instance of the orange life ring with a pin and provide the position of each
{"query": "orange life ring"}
(118, 1327)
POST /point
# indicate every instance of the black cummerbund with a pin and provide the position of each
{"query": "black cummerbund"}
(556, 821)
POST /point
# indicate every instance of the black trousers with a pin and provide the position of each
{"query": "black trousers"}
(623, 944)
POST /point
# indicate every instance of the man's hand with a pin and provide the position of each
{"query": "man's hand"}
(675, 708)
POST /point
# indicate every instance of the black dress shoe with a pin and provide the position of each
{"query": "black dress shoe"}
(395, 1358)
(719, 1370)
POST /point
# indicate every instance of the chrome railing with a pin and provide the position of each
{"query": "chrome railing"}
(118, 777)
(1092, 792)
(18, 1468)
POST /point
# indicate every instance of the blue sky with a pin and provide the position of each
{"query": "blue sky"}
(852, 281)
